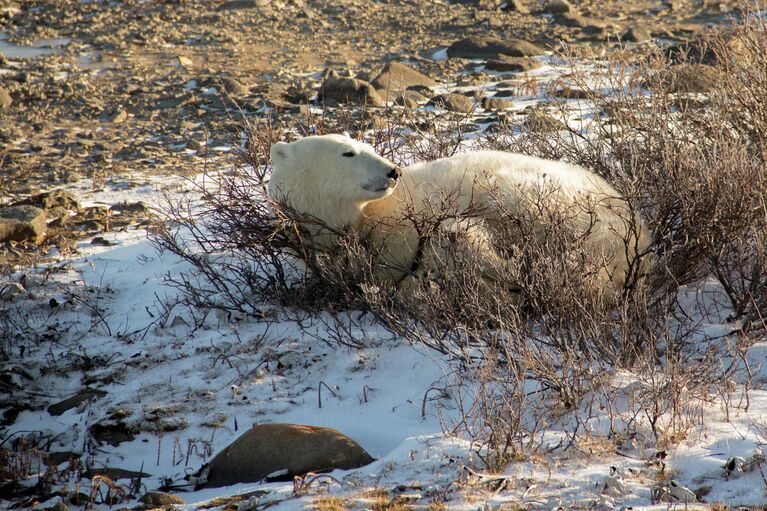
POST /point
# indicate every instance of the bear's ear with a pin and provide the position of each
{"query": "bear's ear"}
(279, 151)
(346, 134)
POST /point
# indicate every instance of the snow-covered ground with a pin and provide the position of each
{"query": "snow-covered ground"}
(190, 386)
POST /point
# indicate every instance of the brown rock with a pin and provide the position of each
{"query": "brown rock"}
(420, 89)
(453, 102)
(515, 64)
(491, 48)
(540, 122)
(558, 7)
(20, 223)
(573, 93)
(636, 35)
(348, 90)
(130, 208)
(118, 116)
(573, 19)
(234, 87)
(55, 201)
(289, 448)
(410, 99)
(154, 499)
(494, 103)
(396, 77)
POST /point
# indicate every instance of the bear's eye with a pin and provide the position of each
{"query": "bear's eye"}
(349, 154)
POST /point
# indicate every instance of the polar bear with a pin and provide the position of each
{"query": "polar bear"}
(472, 200)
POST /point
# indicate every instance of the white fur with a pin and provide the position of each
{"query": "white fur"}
(314, 177)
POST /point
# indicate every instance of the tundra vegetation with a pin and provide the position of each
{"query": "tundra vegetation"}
(692, 164)
(679, 131)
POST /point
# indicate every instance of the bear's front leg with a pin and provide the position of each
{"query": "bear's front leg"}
(462, 251)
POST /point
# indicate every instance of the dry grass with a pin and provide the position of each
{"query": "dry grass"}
(330, 504)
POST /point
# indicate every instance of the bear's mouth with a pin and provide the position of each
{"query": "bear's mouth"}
(378, 188)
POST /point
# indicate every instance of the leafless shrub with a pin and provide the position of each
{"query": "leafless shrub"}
(535, 343)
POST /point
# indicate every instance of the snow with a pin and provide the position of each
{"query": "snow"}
(176, 373)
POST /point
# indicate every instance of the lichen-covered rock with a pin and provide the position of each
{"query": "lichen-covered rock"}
(284, 449)
(22, 223)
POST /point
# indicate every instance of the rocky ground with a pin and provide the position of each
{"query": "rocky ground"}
(116, 92)
(100, 95)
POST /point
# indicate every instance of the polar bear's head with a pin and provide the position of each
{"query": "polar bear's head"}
(330, 177)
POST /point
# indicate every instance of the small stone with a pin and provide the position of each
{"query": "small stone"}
(573, 93)
(5, 99)
(573, 19)
(133, 208)
(677, 5)
(494, 103)
(173, 102)
(154, 499)
(410, 99)
(101, 241)
(558, 7)
(53, 200)
(453, 102)
(185, 62)
(420, 89)
(118, 116)
(22, 223)
(396, 76)
(504, 63)
(234, 87)
(541, 122)
(484, 47)
(636, 35)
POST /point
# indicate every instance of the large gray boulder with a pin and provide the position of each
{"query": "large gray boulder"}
(22, 223)
(283, 450)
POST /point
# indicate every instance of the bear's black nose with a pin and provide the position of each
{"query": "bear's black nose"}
(395, 173)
